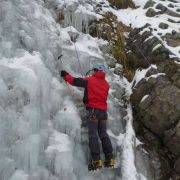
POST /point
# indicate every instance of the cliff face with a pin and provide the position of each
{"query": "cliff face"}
(156, 99)
(156, 94)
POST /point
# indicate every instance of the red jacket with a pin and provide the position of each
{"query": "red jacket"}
(96, 89)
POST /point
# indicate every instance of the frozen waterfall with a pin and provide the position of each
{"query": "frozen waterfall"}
(40, 122)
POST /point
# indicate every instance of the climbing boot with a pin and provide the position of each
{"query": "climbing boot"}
(109, 163)
(94, 165)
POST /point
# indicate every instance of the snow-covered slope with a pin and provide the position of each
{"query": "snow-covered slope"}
(40, 123)
(138, 18)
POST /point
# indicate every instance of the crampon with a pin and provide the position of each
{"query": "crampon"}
(95, 165)
(110, 163)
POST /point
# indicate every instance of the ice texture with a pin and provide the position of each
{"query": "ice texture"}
(41, 137)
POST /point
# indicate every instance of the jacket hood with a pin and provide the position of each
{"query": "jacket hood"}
(99, 74)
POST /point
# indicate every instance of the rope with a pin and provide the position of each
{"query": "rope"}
(77, 55)
(145, 58)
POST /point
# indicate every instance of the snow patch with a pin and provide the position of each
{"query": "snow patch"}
(143, 99)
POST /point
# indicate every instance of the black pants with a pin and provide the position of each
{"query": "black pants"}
(97, 126)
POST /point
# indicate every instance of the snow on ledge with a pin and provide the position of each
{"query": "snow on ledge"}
(156, 47)
(19, 175)
(59, 142)
(155, 76)
(145, 97)
(140, 74)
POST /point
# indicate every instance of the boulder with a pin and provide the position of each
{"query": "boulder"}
(160, 110)
(149, 3)
(171, 5)
(173, 39)
(163, 25)
(161, 7)
(172, 139)
(151, 12)
(172, 70)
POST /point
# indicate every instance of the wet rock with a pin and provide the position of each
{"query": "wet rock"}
(176, 79)
(161, 7)
(173, 21)
(170, 68)
(172, 138)
(177, 165)
(146, 34)
(93, 29)
(163, 25)
(151, 13)
(73, 35)
(174, 1)
(151, 72)
(172, 13)
(118, 69)
(160, 110)
(149, 3)
(159, 34)
(172, 39)
(171, 5)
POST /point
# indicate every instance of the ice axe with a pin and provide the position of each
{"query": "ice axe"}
(60, 58)
(70, 91)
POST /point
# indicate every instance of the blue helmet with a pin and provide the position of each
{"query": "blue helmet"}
(100, 67)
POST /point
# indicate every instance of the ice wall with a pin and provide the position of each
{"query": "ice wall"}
(40, 122)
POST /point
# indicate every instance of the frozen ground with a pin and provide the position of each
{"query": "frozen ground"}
(40, 124)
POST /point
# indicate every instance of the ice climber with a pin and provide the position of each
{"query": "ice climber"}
(95, 100)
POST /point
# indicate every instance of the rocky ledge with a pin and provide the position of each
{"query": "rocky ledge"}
(156, 101)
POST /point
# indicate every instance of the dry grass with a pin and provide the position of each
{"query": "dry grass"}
(110, 29)
(122, 4)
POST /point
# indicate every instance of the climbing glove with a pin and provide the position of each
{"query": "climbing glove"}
(63, 73)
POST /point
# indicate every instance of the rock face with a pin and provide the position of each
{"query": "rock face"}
(160, 110)
(145, 49)
(156, 101)
(156, 105)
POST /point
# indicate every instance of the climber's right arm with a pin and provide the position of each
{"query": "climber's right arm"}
(79, 82)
